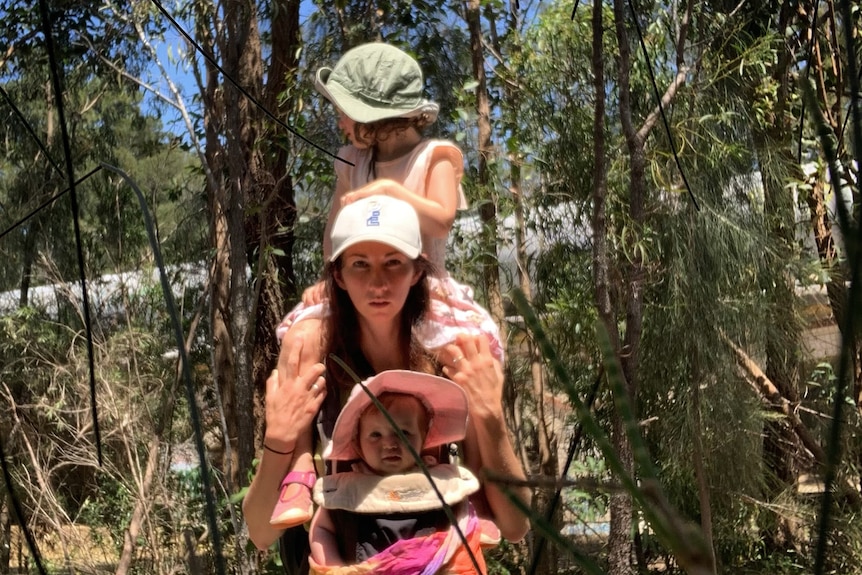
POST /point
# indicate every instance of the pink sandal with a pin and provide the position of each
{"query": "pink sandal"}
(295, 510)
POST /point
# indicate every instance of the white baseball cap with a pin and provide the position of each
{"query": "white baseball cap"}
(381, 219)
(444, 400)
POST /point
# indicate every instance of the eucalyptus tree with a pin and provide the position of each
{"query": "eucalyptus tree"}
(243, 62)
(621, 306)
(771, 133)
(763, 59)
(544, 131)
(638, 197)
(26, 66)
(105, 124)
(532, 421)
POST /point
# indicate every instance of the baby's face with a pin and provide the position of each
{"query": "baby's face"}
(380, 446)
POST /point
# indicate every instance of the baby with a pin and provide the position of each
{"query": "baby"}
(385, 512)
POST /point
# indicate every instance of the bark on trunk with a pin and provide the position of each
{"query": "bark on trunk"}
(619, 540)
(488, 209)
(270, 233)
(633, 273)
(223, 366)
(242, 62)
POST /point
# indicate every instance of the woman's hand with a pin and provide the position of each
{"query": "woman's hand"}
(487, 447)
(294, 393)
(469, 363)
(292, 398)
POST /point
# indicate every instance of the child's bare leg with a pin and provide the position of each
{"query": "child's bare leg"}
(294, 505)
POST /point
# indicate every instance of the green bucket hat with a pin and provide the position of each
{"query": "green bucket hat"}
(375, 82)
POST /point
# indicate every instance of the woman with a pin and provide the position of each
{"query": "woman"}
(377, 91)
(376, 284)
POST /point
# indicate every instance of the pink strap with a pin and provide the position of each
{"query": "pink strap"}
(306, 478)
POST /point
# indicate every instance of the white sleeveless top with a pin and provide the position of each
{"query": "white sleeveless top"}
(411, 170)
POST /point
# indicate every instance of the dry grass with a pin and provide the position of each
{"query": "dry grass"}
(79, 547)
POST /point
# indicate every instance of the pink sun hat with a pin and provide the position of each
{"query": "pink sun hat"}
(444, 400)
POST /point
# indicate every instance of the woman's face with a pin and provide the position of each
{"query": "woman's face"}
(378, 278)
(380, 446)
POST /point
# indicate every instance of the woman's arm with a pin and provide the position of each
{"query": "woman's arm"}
(487, 445)
(292, 401)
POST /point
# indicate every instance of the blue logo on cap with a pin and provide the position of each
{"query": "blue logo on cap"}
(374, 219)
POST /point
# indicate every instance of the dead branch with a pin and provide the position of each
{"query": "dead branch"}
(769, 392)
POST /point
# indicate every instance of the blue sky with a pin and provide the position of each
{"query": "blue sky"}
(169, 51)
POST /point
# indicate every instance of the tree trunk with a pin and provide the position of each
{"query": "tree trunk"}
(619, 540)
(162, 423)
(548, 460)
(700, 470)
(213, 94)
(619, 545)
(487, 209)
(250, 196)
(270, 233)
(783, 338)
(836, 286)
(6, 531)
(242, 61)
(633, 272)
(28, 255)
(142, 506)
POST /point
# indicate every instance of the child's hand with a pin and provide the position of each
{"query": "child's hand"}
(314, 294)
(379, 187)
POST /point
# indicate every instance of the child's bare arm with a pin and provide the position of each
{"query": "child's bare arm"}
(341, 190)
(436, 210)
(324, 545)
